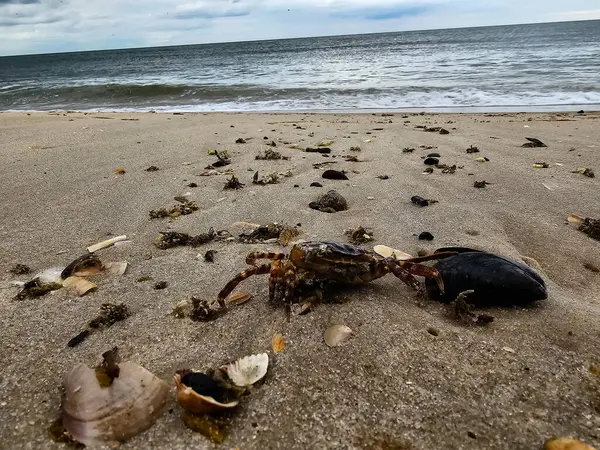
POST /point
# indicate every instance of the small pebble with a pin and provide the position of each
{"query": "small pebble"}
(316, 184)
(431, 161)
(471, 435)
(420, 201)
(160, 285)
(426, 236)
(433, 331)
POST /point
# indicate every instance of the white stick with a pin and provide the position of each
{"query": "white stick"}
(105, 244)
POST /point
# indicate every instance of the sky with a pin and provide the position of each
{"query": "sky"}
(47, 26)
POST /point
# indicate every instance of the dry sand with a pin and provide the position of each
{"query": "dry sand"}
(392, 385)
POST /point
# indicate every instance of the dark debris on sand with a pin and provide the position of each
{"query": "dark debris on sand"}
(359, 235)
(20, 269)
(533, 143)
(110, 314)
(591, 227)
(279, 231)
(181, 209)
(330, 202)
(170, 239)
(270, 155)
(233, 183)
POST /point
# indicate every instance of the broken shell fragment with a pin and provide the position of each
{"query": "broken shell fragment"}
(237, 298)
(196, 392)
(116, 268)
(386, 252)
(96, 415)
(336, 334)
(79, 285)
(106, 243)
(561, 443)
(248, 370)
(573, 218)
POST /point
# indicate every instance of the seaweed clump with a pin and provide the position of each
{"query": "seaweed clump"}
(591, 227)
(110, 314)
(20, 269)
(170, 239)
(277, 231)
(182, 209)
(36, 289)
(233, 183)
(359, 235)
(270, 155)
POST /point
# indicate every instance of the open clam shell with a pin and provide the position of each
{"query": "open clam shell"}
(386, 252)
(248, 370)
(196, 394)
(98, 415)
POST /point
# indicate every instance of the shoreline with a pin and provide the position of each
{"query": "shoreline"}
(393, 384)
(516, 109)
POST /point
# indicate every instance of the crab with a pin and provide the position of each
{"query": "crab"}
(330, 261)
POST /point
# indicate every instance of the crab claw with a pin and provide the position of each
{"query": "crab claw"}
(423, 271)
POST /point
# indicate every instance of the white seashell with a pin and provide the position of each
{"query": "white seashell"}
(96, 415)
(386, 252)
(105, 244)
(336, 334)
(248, 370)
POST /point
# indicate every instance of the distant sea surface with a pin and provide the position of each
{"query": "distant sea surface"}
(522, 67)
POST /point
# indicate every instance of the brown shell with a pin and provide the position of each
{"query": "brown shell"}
(195, 403)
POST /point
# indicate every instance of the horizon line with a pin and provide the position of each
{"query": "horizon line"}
(293, 38)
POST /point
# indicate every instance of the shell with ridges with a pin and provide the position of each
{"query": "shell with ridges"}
(248, 370)
(96, 415)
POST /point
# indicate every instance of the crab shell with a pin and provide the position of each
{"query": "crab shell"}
(195, 403)
(96, 415)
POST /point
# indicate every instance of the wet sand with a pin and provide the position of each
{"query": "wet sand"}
(392, 385)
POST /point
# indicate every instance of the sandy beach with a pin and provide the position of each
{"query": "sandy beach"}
(392, 385)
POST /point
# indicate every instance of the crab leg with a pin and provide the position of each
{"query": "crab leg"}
(416, 269)
(401, 273)
(229, 287)
(252, 257)
(433, 257)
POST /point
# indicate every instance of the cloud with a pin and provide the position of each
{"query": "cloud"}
(589, 14)
(383, 12)
(32, 26)
(20, 2)
(211, 9)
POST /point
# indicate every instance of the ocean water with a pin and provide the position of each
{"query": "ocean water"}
(522, 67)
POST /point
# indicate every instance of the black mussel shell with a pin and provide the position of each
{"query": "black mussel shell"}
(497, 281)
(202, 384)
